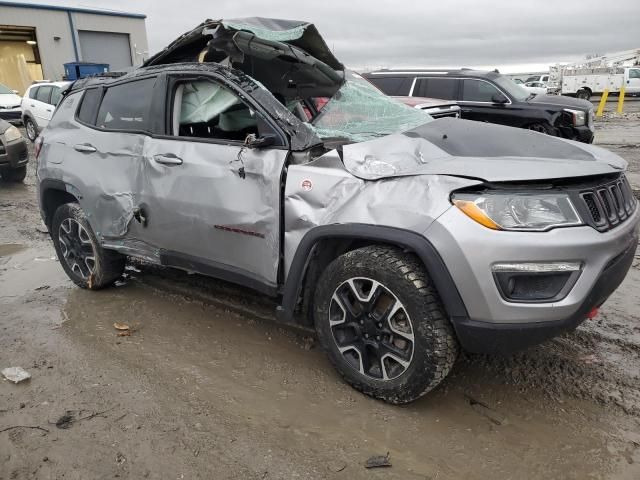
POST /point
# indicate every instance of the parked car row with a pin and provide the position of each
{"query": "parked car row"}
(492, 97)
(35, 108)
(246, 151)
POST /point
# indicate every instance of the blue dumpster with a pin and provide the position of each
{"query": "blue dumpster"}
(76, 70)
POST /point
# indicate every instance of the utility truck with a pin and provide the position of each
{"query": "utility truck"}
(595, 75)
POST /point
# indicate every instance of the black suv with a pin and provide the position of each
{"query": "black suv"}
(491, 97)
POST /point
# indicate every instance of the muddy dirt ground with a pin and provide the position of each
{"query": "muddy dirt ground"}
(208, 385)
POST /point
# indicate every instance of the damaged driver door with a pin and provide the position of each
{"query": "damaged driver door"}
(212, 201)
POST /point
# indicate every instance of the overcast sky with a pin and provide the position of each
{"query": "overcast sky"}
(512, 35)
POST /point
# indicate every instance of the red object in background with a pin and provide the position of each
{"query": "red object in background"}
(592, 313)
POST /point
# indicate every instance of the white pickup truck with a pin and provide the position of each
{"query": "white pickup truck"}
(585, 82)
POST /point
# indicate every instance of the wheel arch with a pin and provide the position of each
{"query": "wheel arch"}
(323, 244)
(54, 193)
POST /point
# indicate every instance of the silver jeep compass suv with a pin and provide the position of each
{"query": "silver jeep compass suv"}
(245, 151)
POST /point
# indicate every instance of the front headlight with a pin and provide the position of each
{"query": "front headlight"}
(11, 134)
(578, 117)
(518, 211)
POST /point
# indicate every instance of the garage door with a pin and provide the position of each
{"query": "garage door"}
(105, 47)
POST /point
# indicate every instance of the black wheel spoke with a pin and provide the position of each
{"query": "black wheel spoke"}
(77, 248)
(371, 328)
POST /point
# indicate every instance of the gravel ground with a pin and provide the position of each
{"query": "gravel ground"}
(208, 385)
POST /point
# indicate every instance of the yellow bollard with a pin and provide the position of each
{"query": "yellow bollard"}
(603, 101)
(621, 100)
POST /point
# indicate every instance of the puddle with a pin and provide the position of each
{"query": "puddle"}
(9, 249)
(23, 269)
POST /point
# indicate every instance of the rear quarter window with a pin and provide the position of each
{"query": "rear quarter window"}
(395, 86)
(89, 105)
(127, 106)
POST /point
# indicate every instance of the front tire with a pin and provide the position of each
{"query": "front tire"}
(14, 174)
(542, 128)
(381, 322)
(84, 261)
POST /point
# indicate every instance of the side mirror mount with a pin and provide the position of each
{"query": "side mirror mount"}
(499, 98)
(261, 142)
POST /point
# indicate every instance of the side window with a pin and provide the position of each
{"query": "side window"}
(398, 86)
(444, 88)
(89, 105)
(43, 94)
(478, 91)
(33, 92)
(545, 78)
(204, 109)
(126, 106)
(634, 73)
(56, 95)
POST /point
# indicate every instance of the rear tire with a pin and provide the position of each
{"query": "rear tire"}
(14, 174)
(583, 94)
(31, 129)
(380, 300)
(84, 261)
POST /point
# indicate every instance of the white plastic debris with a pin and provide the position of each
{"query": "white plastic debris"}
(16, 374)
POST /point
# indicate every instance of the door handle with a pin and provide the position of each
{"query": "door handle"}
(84, 148)
(168, 159)
(32, 105)
(49, 111)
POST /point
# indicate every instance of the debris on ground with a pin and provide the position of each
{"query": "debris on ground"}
(123, 329)
(484, 409)
(68, 419)
(16, 374)
(378, 461)
(65, 421)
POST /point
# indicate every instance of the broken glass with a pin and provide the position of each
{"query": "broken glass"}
(360, 112)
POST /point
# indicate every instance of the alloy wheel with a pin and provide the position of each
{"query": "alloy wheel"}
(371, 328)
(31, 130)
(77, 248)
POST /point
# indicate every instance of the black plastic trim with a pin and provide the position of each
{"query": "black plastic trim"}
(358, 231)
(221, 271)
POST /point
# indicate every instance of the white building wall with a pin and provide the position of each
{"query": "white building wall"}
(55, 23)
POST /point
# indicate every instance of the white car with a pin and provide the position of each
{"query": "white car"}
(38, 104)
(9, 104)
(538, 88)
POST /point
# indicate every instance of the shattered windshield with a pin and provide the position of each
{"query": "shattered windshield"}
(359, 112)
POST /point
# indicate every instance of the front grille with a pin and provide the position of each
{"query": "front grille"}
(609, 204)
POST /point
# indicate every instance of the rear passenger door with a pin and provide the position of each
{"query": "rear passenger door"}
(436, 87)
(104, 160)
(41, 106)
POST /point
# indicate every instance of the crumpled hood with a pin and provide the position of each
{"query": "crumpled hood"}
(489, 152)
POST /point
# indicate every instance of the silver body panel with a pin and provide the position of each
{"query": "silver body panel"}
(205, 210)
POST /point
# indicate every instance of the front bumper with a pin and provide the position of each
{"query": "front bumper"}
(581, 134)
(13, 115)
(14, 154)
(494, 324)
(485, 337)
